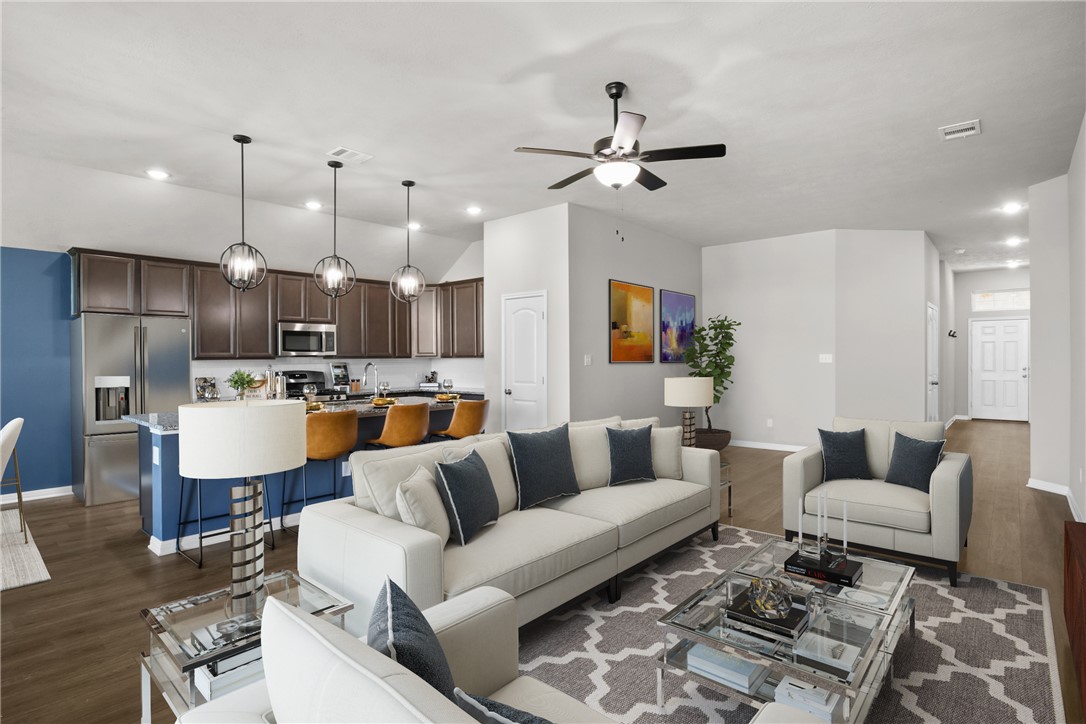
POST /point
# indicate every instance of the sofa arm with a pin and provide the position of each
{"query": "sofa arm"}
(802, 473)
(478, 632)
(703, 467)
(951, 495)
(350, 551)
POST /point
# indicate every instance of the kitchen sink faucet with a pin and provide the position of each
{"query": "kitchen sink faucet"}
(366, 376)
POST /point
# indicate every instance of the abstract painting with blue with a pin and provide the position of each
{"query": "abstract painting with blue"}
(676, 324)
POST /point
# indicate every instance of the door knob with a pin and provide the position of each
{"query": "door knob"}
(508, 391)
(1025, 376)
(934, 384)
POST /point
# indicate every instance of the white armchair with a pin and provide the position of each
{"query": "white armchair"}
(882, 516)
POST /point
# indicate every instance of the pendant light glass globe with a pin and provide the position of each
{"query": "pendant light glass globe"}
(333, 274)
(408, 282)
(242, 265)
(616, 174)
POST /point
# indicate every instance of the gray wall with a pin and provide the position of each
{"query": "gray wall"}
(948, 346)
(782, 290)
(597, 254)
(1050, 327)
(965, 283)
(1076, 196)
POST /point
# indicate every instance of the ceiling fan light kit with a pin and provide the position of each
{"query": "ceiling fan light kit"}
(616, 154)
(242, 265)
(408, 282)
(333, 274)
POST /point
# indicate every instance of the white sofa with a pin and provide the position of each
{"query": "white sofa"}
(883, 516)
(316, 672)
(543, 556)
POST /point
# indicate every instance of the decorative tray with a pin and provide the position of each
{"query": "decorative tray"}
(383, 401)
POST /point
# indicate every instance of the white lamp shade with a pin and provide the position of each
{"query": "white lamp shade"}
(240, 439)
(688, 391)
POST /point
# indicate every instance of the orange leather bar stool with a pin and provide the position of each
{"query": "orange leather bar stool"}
(328, 436)
(404, 425)
(469, 418)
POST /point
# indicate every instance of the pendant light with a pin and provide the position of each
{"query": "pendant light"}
(334, 275)
(408, 282)
(243, 266)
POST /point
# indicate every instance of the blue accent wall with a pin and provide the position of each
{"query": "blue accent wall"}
(35, 362)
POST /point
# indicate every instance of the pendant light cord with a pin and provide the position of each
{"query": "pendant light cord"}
(335, 202)
(408, 226)
(242, 192)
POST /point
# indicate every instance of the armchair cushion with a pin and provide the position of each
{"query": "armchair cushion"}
(844, 455)
(913, 461)
(874, 502)
(400, 631)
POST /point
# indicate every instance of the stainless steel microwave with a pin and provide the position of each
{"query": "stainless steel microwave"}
(307, 340)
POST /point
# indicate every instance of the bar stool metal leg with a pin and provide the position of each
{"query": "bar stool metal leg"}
(199, 520)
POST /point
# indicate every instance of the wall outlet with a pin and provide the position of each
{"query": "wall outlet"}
(1080, 475)
(154, 457)
(769, 422)
(826, 359)
(346, 469)
(588, 360)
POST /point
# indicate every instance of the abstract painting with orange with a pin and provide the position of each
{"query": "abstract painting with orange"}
(632, 317)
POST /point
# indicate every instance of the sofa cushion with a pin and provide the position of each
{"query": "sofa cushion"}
(615, 420)
(318, 672)
(631, 455)
(485, 710)
(399, 631)
(638, 509)
(495, 454)
(532, 695)
(379, 478)
(876, 441)
(543, 465)
(844, 455)
(525, 549)
(468, 495)
(419, 504)
(591, 461)
(640, 422)
(913, 461)
(874, 501)
(667, 452)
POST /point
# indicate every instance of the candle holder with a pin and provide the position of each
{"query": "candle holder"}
(820, 548)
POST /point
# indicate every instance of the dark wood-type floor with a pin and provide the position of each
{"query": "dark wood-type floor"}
(68, 647)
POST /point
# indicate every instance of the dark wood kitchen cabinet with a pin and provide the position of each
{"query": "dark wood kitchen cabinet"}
(214, 318)
(424, 324)
(256, 324)
(165, 288)
(301, 300)
(445, 325)
(401, 327)
(350, 342)
(479, 319)
(319, 307)
(105, 283)
(465, 319)
(377, 320)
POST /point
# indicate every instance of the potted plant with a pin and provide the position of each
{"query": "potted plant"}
(709, 355)
(241, 380)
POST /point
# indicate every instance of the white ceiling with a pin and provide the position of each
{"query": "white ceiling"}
(829, 110)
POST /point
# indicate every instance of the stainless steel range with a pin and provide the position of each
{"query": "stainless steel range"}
(299, 382)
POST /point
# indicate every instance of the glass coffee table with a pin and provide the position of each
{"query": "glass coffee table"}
(195, 637)
(834, 655)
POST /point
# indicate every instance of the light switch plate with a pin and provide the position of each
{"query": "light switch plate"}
(825, 359)
(588, 360)
(346, 469)
(154, 456)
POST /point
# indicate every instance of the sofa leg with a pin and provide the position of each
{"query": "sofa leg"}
(952, 571)
(789, 535)
(614, 590)
(966, 544)
(716, 531)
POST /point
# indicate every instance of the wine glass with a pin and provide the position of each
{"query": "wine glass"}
(447, 384)
(384, 387)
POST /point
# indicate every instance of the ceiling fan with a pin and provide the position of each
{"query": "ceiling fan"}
(615, 154)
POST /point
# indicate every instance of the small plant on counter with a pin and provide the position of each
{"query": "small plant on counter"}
(241, 380)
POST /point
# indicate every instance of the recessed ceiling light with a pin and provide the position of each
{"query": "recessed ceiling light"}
(1014, 263)
(959, 251)
(474, 210)
(157, 174)
(414, 225)
(1014, 241)
(1012, 207)
(313, 205)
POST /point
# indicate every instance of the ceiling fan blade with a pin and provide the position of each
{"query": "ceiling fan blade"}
(626, 132)
(650, 180)
(715, 150)
(552, 152)
(570, 179)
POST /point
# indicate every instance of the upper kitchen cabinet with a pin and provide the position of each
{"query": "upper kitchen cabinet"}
(445, 318)
(214, 319)
(349, 338)
(401, 327)
(166, 288)
(463, 319)
(319, 308)
(104, 283)
(424, 318)
(256, 326)
(377, 320)
(300, 300)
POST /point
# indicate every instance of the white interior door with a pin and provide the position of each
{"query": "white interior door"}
(933, 363)
(999, 369)
(524, 360)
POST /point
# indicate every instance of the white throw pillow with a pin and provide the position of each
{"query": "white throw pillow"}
(667, 452)
(381, 477)
(495, 453)
(419, 504)
(641, 422)
(593, 423)
(591, 456)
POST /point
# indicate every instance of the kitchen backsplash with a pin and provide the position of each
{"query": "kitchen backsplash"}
(464, 372)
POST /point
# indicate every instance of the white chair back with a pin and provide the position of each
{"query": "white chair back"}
(9, 435)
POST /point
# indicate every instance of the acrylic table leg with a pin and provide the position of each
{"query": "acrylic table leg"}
(145, 694)
(729, 500)
(660, 691)
(912, 621)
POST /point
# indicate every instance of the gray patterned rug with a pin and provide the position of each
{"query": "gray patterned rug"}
(982, 652)
(20, 563)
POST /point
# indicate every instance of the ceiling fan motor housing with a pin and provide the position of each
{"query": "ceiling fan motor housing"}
(602, 148)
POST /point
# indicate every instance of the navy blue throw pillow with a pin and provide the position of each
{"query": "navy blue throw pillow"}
(631, 455)
(400, 631)
(488, 711)
(844, 455)
(914, 461)
(467, 491)
(543, 464)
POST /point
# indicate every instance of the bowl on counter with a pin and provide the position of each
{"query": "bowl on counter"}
(447, 397)
(383, 401)
(314, 406)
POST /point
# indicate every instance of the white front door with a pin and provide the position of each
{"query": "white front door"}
(999, 369)
(524, 360)
(933, 363)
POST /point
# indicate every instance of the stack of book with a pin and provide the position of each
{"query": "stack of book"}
(226, 675)
(835, 569)
(739, 674)
(811, 699)
(788, 628)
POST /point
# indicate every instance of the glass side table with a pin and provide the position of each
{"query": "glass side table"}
(726, 482)
(198, 632)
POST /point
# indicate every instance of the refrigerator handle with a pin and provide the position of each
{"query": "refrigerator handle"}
(143, 370)
(137, 362)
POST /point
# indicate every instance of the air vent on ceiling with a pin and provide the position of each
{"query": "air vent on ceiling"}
(349, 156)
(960, 130)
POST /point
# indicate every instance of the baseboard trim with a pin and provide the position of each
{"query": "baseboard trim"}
(1078, 514)
(954, 419)
(1058, 489)
(41, 494)
(767, 445)
(219, 535)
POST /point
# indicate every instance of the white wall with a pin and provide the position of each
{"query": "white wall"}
(881, 319)
(965, 283)
(596, 254)
(948, 346)
(782, 290)
(1050, 328)
(523, 253)
(468, 266)
(1076, 196)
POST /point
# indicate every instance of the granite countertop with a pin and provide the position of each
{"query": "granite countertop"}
(157, 421)
(365, 409)
(457, 390)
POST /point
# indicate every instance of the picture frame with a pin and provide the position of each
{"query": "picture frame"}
(677, 316)
(632, 320)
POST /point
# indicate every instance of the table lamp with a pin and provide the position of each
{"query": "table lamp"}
(688, 393)
(247, 440)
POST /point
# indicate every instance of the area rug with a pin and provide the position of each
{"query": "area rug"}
(982, 652)
(20, 563)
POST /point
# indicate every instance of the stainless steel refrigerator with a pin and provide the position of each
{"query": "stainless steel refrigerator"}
(121, 365)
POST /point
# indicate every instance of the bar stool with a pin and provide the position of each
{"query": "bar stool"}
(328, 436)
(9, 435)
(404, 425)
(469, 418)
